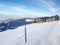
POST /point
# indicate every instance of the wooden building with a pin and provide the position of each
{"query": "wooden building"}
(53, 18)
(56, 17)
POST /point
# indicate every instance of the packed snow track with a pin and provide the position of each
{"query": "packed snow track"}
(37, 34)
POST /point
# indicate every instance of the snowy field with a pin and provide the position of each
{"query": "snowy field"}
(37, 34)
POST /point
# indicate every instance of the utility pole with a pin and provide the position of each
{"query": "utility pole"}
(27, 20)
(25, 34)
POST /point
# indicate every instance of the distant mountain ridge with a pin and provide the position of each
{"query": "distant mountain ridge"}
(12, 24)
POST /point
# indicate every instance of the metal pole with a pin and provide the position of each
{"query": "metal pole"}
(25, 35)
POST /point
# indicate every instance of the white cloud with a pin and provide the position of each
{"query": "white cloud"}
(1, 5)
(51, 6)
(26, 11)
(22, 10)
(19, 9)
(9, 15)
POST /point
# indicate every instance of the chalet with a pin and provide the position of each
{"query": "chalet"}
(53, 18)
(56, 17)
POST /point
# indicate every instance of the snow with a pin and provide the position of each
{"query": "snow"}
(37, 34)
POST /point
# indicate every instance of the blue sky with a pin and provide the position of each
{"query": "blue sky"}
(30, 7)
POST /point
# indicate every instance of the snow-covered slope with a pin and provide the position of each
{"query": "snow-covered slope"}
(37, 34)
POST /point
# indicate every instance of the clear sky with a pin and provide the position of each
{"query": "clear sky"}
(30, 7)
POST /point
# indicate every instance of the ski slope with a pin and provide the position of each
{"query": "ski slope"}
(37, 34)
